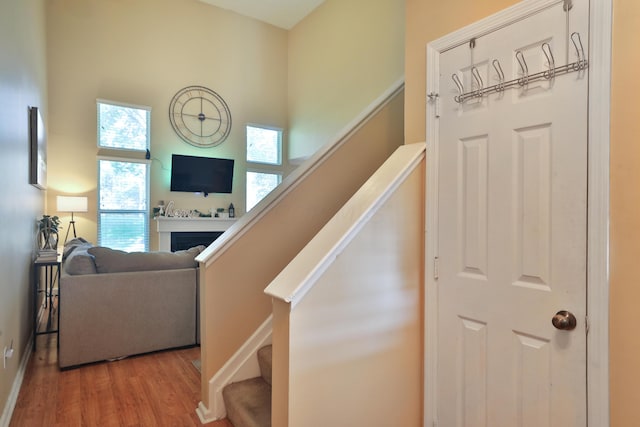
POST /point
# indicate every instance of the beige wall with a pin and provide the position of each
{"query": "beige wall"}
(341, 58)
(142, 52)
(232, 299)
(427, 20)
(22, 84)
(312, 81)
(625, 217)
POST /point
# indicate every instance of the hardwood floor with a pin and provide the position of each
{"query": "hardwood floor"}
(158, 389)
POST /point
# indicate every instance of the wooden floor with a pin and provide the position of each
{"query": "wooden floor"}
(159, 389)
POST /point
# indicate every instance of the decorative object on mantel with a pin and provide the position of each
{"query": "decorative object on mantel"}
(72, 204)
(48, 232)
(159, 210)
(168, 211)
(185, 213)
(171, 212)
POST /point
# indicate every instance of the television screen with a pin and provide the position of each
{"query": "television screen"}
(201, 174)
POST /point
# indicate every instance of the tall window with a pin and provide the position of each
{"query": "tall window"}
(123, 179)
(264, 162)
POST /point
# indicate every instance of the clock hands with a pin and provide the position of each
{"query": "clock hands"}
(202, 117)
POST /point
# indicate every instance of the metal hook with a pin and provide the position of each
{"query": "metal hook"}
(460, 86)
(550, 61)
(478, 78)
(581, 62)
(499, 73)
(523, 66)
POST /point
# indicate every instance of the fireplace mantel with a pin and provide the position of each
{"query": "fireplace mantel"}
(168, 225)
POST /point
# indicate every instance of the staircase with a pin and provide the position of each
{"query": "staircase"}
(248, 402)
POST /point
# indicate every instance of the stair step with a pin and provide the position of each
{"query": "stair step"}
(264, 360)
(248, 403)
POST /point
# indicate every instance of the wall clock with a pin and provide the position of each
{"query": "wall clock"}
(200, 116)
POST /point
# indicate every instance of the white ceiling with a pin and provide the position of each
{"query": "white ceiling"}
(281, 13)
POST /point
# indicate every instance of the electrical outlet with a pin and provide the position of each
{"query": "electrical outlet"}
(7, 354)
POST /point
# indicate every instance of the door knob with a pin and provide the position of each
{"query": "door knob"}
(564, 320)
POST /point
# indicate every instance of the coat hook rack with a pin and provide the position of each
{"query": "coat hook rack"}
(499, 74)
(549, 74)
(460, 86)
(546, 49)
(478, 79)
(524, 80)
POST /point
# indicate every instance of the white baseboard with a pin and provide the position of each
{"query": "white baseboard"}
(241, 366)
(15, 388)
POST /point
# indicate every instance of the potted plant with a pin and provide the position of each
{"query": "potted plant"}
(48, 227)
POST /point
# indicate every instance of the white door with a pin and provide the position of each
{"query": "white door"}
(512, 198)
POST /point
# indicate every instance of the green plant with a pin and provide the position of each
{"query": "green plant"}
(48, 231)
(48, 222)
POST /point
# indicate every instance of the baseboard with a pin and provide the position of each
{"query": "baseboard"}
(22, 370)
(241, 366)
(15, 388)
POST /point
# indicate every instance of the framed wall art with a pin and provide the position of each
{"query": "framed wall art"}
(37, 150)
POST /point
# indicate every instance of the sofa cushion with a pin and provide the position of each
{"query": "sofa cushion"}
(109, 260)
(79, 261)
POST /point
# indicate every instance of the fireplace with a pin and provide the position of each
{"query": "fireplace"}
(189, 232)
(182, 240)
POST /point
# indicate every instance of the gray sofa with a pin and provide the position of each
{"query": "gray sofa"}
(115, 304)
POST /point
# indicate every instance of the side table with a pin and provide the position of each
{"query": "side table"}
(50, 270)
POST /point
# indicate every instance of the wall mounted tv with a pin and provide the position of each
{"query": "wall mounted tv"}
(201, 174)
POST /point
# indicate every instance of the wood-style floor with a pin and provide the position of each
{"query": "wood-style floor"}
(158, 389)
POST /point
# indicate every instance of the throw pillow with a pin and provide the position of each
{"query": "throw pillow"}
(80, 261)
(72, 245)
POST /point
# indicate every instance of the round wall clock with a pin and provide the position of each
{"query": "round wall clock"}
(200, 116)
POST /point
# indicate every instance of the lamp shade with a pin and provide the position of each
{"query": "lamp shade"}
(72, 204)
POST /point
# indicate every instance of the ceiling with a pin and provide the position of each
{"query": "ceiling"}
(281, 13)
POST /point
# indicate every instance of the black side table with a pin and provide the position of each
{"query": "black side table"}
(51, 273)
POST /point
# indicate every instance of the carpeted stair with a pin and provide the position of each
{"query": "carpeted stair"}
(248, 402)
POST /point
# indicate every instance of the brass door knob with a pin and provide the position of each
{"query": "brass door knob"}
(564, 320)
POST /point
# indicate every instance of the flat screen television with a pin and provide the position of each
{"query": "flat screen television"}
(201, 174)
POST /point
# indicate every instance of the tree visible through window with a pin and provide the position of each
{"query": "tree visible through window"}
(123, 127)
(264, 161)
(123, 183)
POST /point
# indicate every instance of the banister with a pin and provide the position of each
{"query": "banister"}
(295, 280)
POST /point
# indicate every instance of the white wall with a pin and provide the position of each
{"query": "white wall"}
(22, 84)
(341, 58)
(348, 312)
(356, 337)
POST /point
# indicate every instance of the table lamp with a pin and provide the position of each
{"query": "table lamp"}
(72, 204)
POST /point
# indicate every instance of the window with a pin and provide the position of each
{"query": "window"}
(264, 162)
(123, 180)
(123, 127)
(264, 145)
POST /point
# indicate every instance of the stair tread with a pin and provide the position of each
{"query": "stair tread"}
(248, 403)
